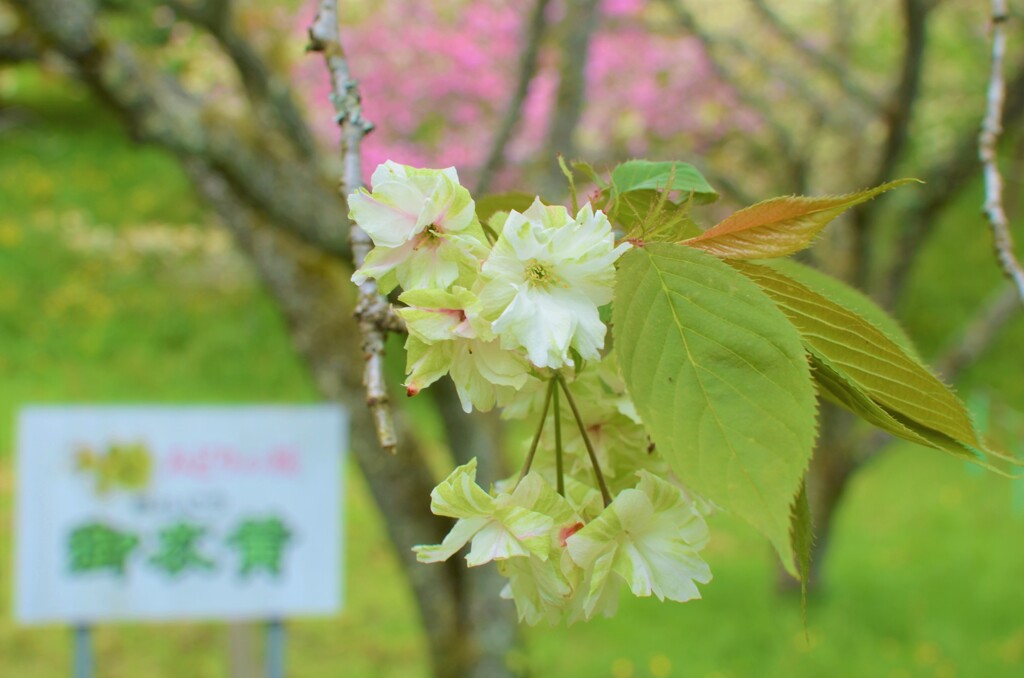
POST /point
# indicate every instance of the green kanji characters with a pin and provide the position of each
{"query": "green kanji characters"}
(179, 549)
(261, 545)
(95, 546)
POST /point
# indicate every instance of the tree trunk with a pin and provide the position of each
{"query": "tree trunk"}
(831, 468)
(315, 296)
(293, 228)
(492, 629)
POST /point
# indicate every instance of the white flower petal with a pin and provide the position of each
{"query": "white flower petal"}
(428, 266)
(514, 532)
(537, 587)
(382, 261)
(388, 224)
(458, 495)
(453, 542)
(535, 321)
(426, 363)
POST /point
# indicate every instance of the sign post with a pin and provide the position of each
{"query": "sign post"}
(275, 649)
(83, 651)
(178, 513)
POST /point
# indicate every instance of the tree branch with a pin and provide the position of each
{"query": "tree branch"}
(581, 18)
(310, 284)
(899, 112)
(988, 142)
(839, 71)
(18, 47)
(311, 289)
(978, 334)
(730, 190)
(269, 95)
(898, 116)
(155, 107)
(372, 306)
(491, 625)
(534, 33)
(820, 108)
(791, 154)
(944, 182)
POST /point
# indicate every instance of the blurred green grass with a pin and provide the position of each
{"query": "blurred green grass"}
(116, 286)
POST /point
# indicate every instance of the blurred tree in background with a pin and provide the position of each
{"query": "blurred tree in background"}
(765, 97)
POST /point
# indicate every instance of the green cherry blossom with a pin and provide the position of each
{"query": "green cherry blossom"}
(538, 588)
(649, 538)
(499, 527)
(543, 588)
(502, 321)
(423, 225)
(545, 279)
(446, 336)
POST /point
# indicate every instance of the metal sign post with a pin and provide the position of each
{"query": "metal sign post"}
(83, 651)
(275, 649)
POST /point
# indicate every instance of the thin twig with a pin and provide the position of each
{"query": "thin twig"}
(789, 150)
(605, 494)
(839, 71)
(947, 179)
(988, 142)
(978, 334)
(372, 306)
(270, 96)
(743, 49)
(527, 69)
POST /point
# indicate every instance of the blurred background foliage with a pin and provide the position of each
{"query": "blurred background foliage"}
(117, 284)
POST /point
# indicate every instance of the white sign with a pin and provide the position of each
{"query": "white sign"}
(153, 513)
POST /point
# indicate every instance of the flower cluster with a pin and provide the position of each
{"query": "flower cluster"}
(511, 311)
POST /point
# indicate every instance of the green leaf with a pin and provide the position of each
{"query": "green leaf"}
(858, 364)
(649, 216)
(588, 171)
(779, 226)
(488, 205)
(853, 299)
(567, 173)
(644, 175)
(836, 387)
(721, 381)
(801, 536)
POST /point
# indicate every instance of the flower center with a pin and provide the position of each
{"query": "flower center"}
(538, 274)
(430, 236)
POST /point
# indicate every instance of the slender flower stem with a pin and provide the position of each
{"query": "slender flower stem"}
(536, 436)
(559, 475)
(492, 236)
(605, 494)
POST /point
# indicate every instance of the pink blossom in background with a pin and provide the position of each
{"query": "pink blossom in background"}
(436, 77)
(622, 7)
